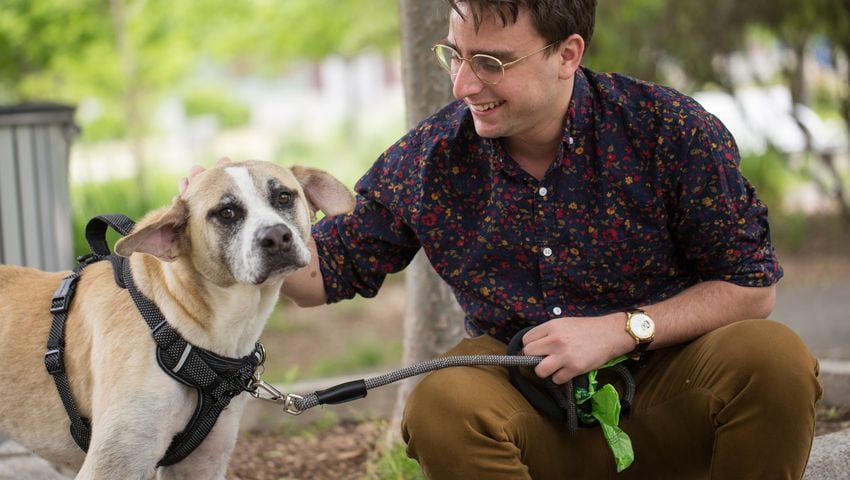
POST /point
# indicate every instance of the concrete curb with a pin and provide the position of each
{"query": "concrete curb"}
(835, 379)
(830, 457)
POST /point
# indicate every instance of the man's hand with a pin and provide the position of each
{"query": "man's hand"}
(576, 345)
(573, 346)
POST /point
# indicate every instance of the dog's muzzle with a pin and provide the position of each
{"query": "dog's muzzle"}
(275, 239)
(281, 252)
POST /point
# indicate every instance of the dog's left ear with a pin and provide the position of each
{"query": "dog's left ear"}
(158, 233)
(324, 191)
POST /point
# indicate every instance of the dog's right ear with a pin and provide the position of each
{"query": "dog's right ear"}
(324, 191)
(158, 233)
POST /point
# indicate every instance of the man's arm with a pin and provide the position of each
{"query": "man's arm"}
(305, 287)
(575, 345)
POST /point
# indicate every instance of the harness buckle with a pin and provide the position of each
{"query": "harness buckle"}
(53, 361)
(62, 297)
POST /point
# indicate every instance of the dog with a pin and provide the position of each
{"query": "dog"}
(213, 262)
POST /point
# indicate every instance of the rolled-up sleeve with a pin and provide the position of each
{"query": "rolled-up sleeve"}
(720, 225)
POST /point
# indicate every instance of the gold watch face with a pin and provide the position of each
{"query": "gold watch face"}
(641, 325)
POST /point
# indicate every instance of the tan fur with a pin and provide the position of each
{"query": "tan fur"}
(135, 407)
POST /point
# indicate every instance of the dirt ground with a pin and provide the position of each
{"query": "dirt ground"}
(303, 338)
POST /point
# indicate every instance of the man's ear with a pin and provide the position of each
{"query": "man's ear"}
(158, 233)
(324, 191)
(570, 52)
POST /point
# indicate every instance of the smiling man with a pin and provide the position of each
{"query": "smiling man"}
(610, 215)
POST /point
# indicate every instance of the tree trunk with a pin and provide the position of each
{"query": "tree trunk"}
(433, 320)
(130, 96)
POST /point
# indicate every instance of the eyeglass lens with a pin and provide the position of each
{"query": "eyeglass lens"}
(488, 69)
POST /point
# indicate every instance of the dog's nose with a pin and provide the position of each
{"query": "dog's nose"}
(275, 239)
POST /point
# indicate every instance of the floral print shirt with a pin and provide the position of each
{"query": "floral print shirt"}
(643, 200)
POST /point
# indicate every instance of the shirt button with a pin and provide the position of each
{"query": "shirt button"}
(557, 310)
(542, 192)
(547, 252)
(570, 140)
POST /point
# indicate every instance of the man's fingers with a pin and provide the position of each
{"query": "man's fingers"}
(535, 333)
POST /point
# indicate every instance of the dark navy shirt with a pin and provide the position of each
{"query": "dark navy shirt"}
(643, 200)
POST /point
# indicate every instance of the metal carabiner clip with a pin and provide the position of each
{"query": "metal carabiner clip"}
(262, 390)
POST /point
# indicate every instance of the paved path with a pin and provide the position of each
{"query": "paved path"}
(820, 315)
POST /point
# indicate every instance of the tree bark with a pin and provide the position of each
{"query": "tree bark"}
(433, 320)
(131, 92)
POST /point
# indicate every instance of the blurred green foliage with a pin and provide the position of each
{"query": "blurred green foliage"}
(209, 100)
(127, 54)
(770, 175)
(115, 196)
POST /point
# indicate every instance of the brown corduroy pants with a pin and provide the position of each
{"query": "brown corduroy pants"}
(737, 403)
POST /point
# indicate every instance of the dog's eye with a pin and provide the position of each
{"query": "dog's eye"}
(227, 213)
(284, 198)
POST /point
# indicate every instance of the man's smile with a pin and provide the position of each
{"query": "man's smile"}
(483, 107)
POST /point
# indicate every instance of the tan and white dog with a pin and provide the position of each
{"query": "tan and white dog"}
(213, 262)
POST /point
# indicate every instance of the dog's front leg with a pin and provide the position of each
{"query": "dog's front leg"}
(133, 425)
(209, 460)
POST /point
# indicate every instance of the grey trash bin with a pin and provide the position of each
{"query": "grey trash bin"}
(35, 201)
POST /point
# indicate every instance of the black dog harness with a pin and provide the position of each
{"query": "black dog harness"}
(217, 379)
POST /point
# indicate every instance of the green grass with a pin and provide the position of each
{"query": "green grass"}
(393, 464)
(361, 354)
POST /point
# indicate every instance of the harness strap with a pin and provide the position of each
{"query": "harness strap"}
(216, 379)
(54, 356)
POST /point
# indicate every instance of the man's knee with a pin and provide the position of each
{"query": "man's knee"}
(448, 400)
(768, 353)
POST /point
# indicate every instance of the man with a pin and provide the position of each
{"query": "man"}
(551, 196)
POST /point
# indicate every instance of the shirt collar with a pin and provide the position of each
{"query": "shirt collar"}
(579, 118)
(579, 121)
(580, 111)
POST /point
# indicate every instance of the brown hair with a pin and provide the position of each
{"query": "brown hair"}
(555, 20)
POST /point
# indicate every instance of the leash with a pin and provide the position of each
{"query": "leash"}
(578, 403)
(560, 405)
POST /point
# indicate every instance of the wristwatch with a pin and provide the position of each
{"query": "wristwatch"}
(641, 327)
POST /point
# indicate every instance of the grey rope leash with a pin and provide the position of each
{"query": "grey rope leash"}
(560, 405)
(356, 389)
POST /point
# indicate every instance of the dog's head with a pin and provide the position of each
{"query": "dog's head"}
(244, 222)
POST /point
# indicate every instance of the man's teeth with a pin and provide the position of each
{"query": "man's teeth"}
(483, 107)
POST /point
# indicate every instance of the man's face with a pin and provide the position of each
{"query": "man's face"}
(529, 102)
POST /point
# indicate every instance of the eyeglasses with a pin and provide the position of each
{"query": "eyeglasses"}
(488, 69)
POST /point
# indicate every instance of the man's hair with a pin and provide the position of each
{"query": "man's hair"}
(555, 20)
